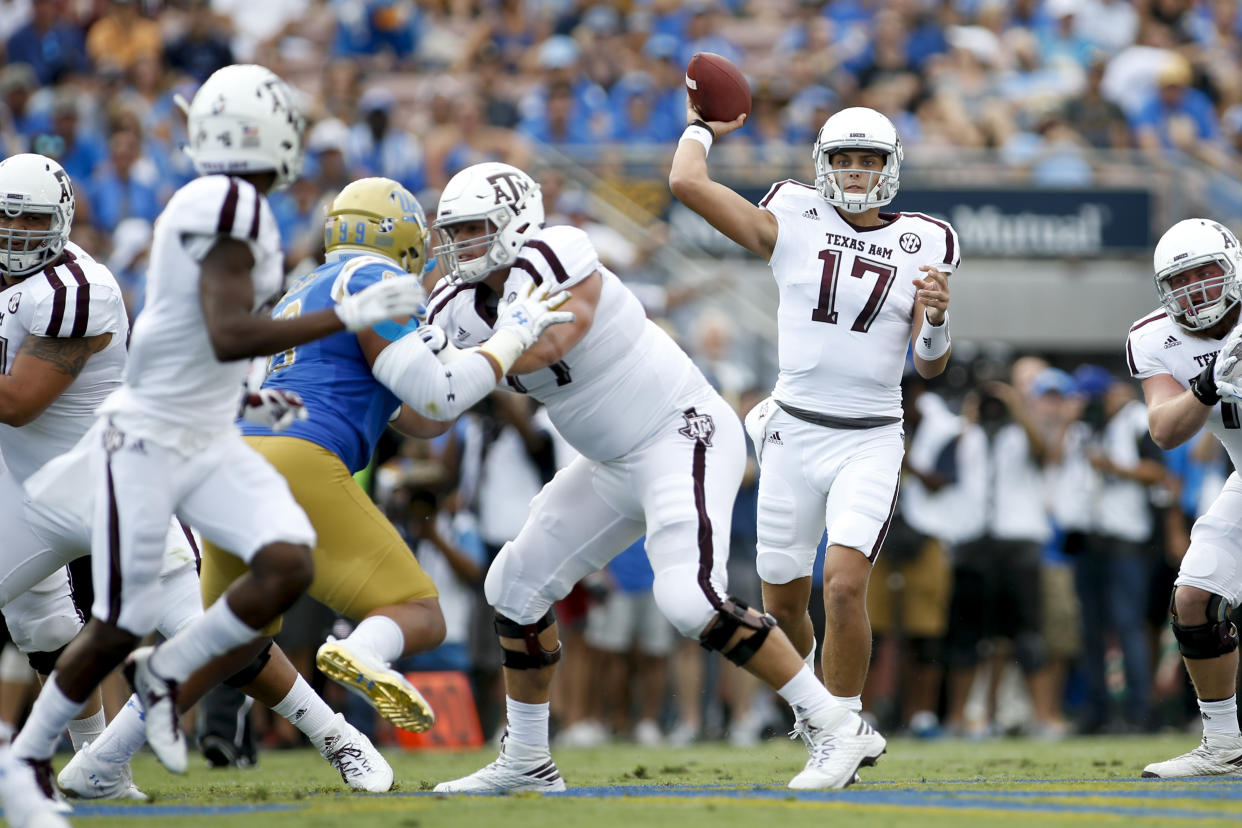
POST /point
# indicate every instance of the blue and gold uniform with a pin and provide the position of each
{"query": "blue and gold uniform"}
(361, 562)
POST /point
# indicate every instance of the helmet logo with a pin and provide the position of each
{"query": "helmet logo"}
(218, 105)
(508, 186)
(386, 224)
(910, 242)
(1226, 235)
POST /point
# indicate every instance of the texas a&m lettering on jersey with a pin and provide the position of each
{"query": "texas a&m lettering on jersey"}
(847, 301)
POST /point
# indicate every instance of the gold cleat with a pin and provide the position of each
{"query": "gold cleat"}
(385, 689)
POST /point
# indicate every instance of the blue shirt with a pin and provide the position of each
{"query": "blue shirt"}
(347, 408)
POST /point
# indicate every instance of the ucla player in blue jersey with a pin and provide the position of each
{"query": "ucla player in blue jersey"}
(352, 386)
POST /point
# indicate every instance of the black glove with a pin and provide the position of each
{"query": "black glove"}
(1203, 386)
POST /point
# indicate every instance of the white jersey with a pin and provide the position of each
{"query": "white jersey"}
(76, 298)
(847, 301)
(176, 392)
(1158, 345)
(618, 387)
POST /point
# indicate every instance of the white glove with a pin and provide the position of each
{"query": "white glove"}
(386, 299)
(435, 338)
(1228, 370)
(273, 407)
(533, 311)
(756, 423)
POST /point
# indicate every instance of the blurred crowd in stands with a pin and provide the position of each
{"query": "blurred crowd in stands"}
(1025, 587)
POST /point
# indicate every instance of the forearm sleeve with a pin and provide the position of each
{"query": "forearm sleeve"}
(410, 370)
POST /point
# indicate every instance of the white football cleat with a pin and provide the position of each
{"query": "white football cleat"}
(159, 698)
(88, 777)
(28, 794)
(352, 754)
(389, 692)
(1215, 756)
(837, 752)
(517, 769)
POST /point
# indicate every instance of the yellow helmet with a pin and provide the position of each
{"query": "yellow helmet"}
(378, 215)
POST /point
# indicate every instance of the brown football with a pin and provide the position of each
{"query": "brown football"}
(718, 89)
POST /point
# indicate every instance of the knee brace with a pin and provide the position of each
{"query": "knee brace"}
(732, 616)
(534, 656)
(1217, 637)
(44, 663)
(251, 671)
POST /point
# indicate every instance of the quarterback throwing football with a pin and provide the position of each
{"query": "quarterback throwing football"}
(856, 286)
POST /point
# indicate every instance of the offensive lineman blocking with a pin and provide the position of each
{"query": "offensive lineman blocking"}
(1197, 384)
(660, 451)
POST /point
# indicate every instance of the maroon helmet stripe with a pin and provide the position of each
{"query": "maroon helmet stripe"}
(558, 270)
(229, 210)
(524, 264)
(879, 541)
(698, 472)
(82, 304)
(58, 303)
(114, 551)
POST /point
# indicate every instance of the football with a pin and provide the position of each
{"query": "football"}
(718, 89)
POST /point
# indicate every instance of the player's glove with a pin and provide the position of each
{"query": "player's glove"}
(1227, 367)
(273, 407)
(521, 322)
(435, 338)
(386, 299)
(533, 311)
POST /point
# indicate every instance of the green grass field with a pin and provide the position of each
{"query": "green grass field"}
(940, 783)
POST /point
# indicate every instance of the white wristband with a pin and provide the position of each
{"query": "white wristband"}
(703, 135)
(505, 346)
(933, 340)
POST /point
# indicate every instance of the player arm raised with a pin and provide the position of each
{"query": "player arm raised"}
(43, 368)
(226, 294)
(750, 226)
(1174, 413)
(930, 331)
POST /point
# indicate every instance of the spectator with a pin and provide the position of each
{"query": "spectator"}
(123, 35)
(204, 45)
(1178, 116)
(125, 184)
(378, 148)
(20, 119)
(50, 43)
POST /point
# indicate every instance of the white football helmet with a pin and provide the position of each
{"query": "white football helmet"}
(243, 119)
(34, 184)
(1192, 243)
(851, 129)
(506, 199)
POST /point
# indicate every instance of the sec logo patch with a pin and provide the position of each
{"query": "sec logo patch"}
(910, 242)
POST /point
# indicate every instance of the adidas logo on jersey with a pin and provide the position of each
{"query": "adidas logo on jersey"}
(775, 438)
(462, 333)
(1171, 342)
(811, 214)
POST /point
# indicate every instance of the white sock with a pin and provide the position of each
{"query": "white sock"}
(310, 714)
(216, 631)
(380, 635)
(528, 723)
(805, 694)
(1220, 718)
(49, 717)
(86, 730)
(849, 702)
(124, 736)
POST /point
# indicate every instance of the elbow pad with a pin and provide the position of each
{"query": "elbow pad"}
(410, 370)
